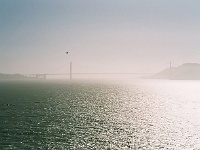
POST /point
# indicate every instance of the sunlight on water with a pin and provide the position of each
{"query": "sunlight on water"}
(142, 114)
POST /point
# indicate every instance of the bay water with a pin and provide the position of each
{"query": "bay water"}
(84, 115)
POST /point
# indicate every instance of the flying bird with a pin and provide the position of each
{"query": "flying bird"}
(66, 52)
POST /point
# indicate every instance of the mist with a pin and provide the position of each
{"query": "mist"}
(99, 74)
(100, 36)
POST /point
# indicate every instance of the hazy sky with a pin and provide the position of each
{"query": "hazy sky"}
(100, 35)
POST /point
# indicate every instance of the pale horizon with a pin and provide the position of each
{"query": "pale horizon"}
(100, 36)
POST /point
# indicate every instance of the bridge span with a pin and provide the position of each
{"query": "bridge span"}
(44, 75)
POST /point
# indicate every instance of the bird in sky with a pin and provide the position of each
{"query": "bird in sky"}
(66, 52)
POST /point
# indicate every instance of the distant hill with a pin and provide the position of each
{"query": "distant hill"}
(12, 76)
(188, 71)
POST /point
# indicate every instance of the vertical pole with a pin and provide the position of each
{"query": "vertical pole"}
(170, 68)
(70, 70)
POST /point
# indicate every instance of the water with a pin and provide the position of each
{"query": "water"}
(145, 114)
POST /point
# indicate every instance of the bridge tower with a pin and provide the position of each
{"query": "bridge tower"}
(170, 70)
(70, 70)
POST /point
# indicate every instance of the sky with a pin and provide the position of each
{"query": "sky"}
(100, 35)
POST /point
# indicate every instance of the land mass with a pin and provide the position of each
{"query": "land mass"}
(187, 71)
(12, 76)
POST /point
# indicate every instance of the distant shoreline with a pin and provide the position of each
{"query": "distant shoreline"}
(13, 77)
(187, 71)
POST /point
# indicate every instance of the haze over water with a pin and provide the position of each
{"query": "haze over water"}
(101, 38)
(140, 114)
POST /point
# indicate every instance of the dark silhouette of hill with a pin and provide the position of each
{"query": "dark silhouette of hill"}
(12, 76)
(188, 71)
